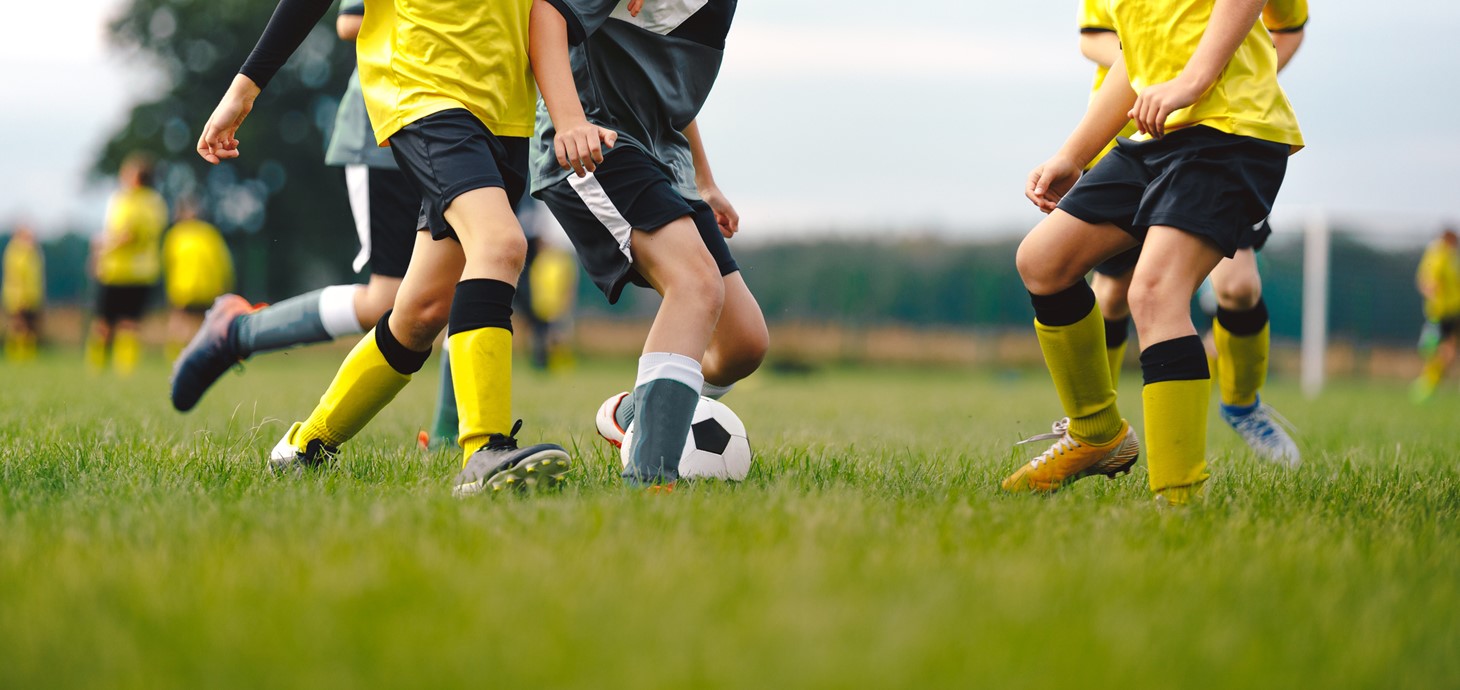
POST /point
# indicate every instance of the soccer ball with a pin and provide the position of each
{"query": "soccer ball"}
(716, 448)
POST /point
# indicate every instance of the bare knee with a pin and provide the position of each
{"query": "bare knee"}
(501, 253)
(1238, 292)
(1040, 275)
(417, 322)
(733, 358)
(1112, 294)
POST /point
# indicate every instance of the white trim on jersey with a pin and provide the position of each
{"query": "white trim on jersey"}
(659, 16)
(357, 185)
(597, 201)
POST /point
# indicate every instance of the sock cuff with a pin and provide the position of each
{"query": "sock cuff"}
(1177, 359)
(481, 303)
(668, 365)
(714, 392)
(398, 356)
(1116, 332)
(1240, 323)
(1065, 307)
(337, 310)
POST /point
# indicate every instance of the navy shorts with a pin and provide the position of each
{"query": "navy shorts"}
(1199, 180)
(122, 302)
(449, 153)
(629, 191)
(386, 209)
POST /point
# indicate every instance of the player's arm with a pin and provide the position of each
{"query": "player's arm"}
(725, 215)
(1103, 120)
(1099, 46)
(347, 26)
(1230, 22)
(578, 143)
(1287, 43)
(286, 30)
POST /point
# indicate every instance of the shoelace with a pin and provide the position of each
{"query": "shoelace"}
(508, 442)
(1058, 430)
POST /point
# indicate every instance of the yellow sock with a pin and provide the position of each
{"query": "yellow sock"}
(1074, 354)
(1434, 371)
(27, 343)
(1176, 432)
(1116, 356)
(12, 348)
(1243, 368)
(171, 350)
(95, 354)
(363, 386)
(126, 350)
(481, 373)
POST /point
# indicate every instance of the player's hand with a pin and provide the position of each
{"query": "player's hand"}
(1157, 101)
(580, 147)
(1049, 181)
(635, 7)
(218, 140)
(725, 215)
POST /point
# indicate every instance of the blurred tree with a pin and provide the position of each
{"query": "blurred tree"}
(284, 211)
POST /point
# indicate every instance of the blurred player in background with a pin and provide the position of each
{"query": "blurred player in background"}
(127, 261)
(647, 211)
(197, 267)
(1438, 280)
(448, 86)
(1214, 132)
(1240, 328)
(23, 292)
(384, 207)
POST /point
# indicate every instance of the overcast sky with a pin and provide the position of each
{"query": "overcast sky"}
(854, 114)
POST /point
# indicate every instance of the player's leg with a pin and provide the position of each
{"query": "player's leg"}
(1052, 261)
(1111, 284)
(99, 339)
(675, 261)
(1241, 336)
(126, 343)
(382, 363)
(1173, 362)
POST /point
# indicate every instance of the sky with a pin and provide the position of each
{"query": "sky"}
(872, 117)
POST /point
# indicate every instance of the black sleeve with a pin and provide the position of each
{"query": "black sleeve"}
(584, 17)
(287, 29)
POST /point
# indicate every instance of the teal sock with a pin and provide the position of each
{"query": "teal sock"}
(665, 397)
(446, 425)
(312, 317)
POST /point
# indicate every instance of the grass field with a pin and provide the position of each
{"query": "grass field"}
(869, 547)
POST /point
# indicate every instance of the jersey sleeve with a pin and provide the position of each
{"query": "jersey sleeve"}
(1095, 16)
(353, 8)
(287, 28)
(1285, 16)
(584, 17)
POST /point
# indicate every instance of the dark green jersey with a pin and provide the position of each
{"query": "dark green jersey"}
(352, 142)
(645, 77)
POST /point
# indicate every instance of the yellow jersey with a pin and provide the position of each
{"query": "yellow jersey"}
(1440, 269)
(198, 265)
(134, 222)
(24, 285)
(1158, 38)
(419, 57)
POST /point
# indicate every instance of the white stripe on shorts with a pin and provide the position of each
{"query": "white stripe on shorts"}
(597, 201)
(357, 184)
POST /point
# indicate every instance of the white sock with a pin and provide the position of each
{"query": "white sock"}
(337, 310)
(714, 392)
(667, 365)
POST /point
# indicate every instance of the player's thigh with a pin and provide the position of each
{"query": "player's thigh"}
(487, 227)
(1173, 264)
(674, 255)
(1063, 248)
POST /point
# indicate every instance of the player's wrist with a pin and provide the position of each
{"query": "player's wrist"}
(244, 88)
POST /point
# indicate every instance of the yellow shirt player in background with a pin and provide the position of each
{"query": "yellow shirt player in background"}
(1213, 134)
(198, 268)
(127, 260)
(1438, 279)
(23, 292)
(1240, 329)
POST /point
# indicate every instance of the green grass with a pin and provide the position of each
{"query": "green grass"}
(869, 547)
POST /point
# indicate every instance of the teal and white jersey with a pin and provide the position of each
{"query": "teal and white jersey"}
(352, 142)
(645, 77)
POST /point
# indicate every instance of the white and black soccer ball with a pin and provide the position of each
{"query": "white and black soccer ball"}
(717, 447)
